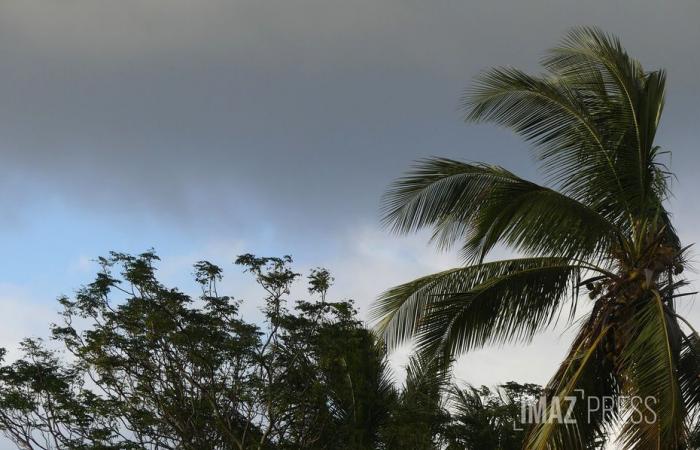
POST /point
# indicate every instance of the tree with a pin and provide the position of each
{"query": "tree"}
(420, 416)
(486, 418)
(599, 224)
(150, 367)
(432, 412)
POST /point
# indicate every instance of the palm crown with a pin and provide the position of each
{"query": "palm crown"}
(598, 225)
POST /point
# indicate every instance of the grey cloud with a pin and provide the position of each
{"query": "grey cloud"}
(300, 106)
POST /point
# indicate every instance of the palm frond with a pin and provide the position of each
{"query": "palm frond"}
(649, 364)
(512, 307)
(539, 221)
(593, 119)
(428, 374)
(436, 188)
(483, 205)
(573, 143)
(585, 375)
(623, 98)
(689, 372)
(467, 307)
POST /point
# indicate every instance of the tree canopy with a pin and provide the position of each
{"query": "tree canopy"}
(137, 364)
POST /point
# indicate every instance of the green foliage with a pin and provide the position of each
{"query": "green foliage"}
(484, 418)
(599, 221)
(433, 413)
(147, 366)
(143, 366)
(420, 416)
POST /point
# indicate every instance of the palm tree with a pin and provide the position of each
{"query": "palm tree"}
(598, 224)
(419, 416)
(482, 418)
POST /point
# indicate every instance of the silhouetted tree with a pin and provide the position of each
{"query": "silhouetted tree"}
(151, 367)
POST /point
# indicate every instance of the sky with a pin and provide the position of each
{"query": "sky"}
(209, 128)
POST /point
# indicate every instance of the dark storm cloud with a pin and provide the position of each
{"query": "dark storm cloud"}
(310, 106)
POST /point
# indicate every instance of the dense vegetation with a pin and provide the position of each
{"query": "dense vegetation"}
(145, 366)
(600, 224)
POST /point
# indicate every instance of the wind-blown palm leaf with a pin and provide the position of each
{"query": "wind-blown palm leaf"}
(597, 62)
(650, 363)
(689, 372)
(484, 205)
(572, 146)
(427, 374)
(496, 298)
(507, 308)
(585, 375)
